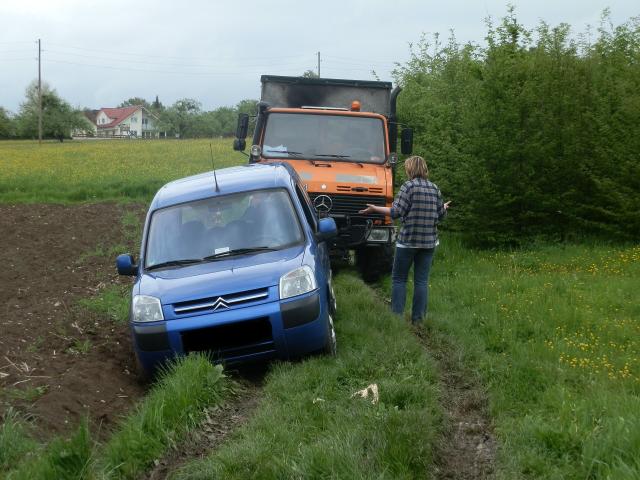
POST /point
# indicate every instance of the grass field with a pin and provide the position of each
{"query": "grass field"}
(552, 332)
(78, 171)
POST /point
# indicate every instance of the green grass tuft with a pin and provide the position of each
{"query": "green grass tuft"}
(172, 407)
(15, 442)
(62, 459)
(112, 302)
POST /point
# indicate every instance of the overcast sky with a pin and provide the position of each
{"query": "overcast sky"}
(99, 53)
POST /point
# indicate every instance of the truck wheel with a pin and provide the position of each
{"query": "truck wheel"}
(374, 262)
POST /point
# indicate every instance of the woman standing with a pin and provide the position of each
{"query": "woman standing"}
(420, 207)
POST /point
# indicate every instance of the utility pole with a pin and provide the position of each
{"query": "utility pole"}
(39, 95)
(318, 64)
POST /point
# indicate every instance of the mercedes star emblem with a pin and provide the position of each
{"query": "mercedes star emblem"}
(323, 203)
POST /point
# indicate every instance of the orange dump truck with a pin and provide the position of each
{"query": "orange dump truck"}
(341, 137)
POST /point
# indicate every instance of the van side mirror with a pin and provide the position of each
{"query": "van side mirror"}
(327, 229)
(126, 265)
(243, 126)
(406, 141)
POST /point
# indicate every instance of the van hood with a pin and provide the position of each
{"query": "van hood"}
(220, 277)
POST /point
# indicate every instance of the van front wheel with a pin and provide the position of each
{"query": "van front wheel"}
(330, 347)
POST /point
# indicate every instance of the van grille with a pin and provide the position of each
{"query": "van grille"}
(231, 340)
(219, 303)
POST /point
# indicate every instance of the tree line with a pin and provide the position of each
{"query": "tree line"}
(184, 119)
(536, 134)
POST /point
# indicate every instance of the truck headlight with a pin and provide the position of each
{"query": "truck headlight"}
(296, 282)
(379, 235)
(146, 309)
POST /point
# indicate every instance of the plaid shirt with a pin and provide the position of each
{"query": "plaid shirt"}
(420, 207)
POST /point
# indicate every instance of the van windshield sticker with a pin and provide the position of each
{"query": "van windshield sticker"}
(221, 250)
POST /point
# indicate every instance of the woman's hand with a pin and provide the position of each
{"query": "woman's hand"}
(446, 205)
(370, 209)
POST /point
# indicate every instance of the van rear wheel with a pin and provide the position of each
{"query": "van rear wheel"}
(374, 262)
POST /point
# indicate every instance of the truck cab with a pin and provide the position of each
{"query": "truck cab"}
(340, 136)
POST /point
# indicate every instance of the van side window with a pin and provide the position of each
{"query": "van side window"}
(308, 209)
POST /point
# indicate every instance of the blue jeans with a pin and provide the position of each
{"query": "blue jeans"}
(421, 259)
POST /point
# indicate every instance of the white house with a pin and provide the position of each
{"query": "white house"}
(134, 121)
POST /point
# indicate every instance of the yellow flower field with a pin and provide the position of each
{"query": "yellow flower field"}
(92, 170)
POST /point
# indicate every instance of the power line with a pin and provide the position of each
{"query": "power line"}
(112, 67)
(16, 51)
(181, 57)
(186, 65)
(359, 59)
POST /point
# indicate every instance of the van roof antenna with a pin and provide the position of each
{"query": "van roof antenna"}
(214, 168)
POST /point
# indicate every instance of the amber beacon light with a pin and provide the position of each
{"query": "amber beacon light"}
(355, 106)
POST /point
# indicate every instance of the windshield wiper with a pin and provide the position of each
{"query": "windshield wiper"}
(288, 152)
(175, 263)
(237, 251)
(332, 155)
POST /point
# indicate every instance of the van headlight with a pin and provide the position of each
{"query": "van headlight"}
(146, 309)
(296, 282)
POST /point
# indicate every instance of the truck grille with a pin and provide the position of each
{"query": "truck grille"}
(349, 204)
(219, 303)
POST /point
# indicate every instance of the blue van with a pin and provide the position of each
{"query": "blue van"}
(235, 264)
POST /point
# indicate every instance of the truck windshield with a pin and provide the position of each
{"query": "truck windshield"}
(324, 137)
(206, 230)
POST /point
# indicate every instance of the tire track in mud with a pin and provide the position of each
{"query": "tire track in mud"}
(468, 446)
(218, 423)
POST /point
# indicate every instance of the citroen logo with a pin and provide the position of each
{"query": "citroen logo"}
(219, 303)
(323, 203)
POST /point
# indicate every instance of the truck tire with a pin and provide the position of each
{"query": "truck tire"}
(374, 262)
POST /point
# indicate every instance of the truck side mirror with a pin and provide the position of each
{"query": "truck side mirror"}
(239, 144)
(406, 141)
(243, 126)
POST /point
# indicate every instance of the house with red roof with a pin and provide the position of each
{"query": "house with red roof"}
(134, 121)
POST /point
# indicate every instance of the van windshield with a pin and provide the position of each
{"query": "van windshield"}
(324, 137)
(212, 228)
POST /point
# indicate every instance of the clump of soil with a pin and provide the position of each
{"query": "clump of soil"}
(59, 362)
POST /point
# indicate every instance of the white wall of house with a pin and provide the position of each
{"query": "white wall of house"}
(148, 125)
(102, 119)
